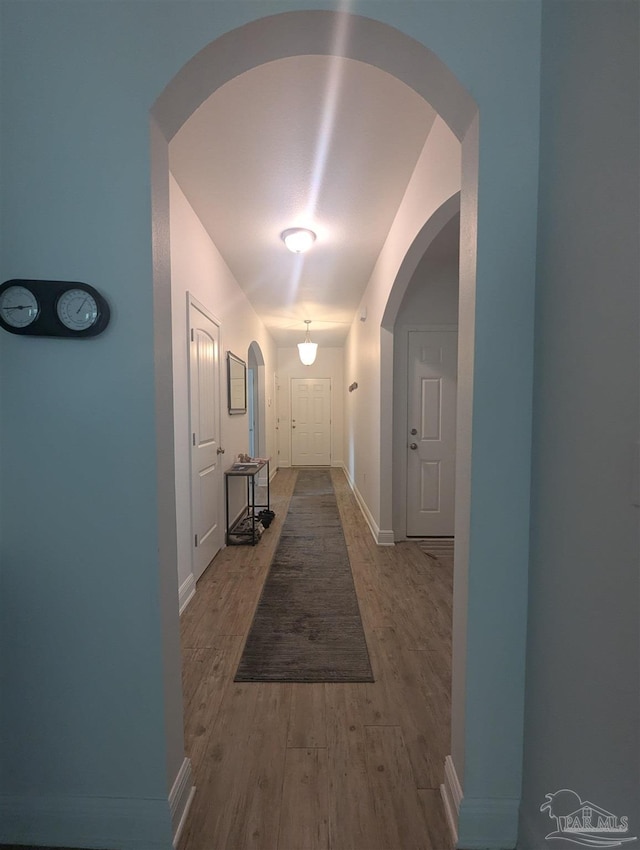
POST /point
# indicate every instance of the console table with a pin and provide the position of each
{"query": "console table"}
(249, 471)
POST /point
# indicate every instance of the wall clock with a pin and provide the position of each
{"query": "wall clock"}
(52, 308)
(19, 307)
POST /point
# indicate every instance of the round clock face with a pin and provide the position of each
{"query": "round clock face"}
(18, 306)
(77, 309)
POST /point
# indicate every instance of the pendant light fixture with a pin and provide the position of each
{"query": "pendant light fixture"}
(307, 349)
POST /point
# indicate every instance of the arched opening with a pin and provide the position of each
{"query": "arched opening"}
(297, 33)
(256, 401)
(429, 306)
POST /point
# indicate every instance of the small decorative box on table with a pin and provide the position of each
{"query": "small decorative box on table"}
(245, 528)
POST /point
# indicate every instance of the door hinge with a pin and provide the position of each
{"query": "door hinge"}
(194, 438)
(192, 335)
(196, 541)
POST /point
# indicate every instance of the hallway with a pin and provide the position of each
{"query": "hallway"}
(306, 766)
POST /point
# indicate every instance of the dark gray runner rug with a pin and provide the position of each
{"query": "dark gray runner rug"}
(307, 625)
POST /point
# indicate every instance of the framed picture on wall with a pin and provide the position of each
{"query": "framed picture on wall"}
(236, 384)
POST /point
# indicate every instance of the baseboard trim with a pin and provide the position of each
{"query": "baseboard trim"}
(488, 823)
(382, 538)
(180, 799)
(386, 538)
(186, 593)
(451, 793)
(112, 823)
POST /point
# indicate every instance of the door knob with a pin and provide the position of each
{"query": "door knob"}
(414, 431)
(220, 451)
(413, 446)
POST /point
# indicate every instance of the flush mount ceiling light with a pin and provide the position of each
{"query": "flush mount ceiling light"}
(307, 349)
(298, 239)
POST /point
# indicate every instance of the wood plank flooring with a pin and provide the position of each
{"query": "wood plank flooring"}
(321, 766)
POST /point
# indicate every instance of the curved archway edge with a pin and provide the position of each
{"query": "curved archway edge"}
(419, 247)
(255, 354)
(268, 39)
(302, 33)
(417, 250)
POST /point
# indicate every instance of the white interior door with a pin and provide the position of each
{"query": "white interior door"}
(206, 483)
(431, 448)
(311, 421)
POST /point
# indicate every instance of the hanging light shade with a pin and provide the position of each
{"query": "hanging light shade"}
(298, 239)
(307, 349)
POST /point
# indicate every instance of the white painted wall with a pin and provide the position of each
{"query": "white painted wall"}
(198, 268)
(329, 363)
(436, 178)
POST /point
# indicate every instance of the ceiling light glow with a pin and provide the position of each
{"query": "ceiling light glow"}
(298, 239)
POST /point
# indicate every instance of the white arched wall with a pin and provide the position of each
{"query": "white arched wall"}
(435, 178)
(419, 247)
(315, 32)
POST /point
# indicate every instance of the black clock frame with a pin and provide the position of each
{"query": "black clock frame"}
(47, 323)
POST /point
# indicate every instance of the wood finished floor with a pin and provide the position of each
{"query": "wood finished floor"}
(318, 766)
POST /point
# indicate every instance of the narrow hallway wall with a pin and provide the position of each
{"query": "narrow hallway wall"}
(198, 268)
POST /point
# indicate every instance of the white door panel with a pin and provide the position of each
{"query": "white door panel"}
(432, 376)
(311, 421)
(205, 438)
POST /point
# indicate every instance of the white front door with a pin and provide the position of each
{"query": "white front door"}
(206, 485)
(431, 447)
(311, 421)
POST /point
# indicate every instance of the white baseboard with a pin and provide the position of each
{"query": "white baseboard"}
(451, 793)
(180, 799)
(112, 823)
(386, 538)
(488, 823)
(187, 592)
(475, 823)
(382, 538)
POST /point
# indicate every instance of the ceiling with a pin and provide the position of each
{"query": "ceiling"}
(316, 141)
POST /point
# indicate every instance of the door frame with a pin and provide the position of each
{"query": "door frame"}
(331, 413)
(192, 301)
(401, 418)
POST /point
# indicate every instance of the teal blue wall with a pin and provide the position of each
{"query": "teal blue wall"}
(583, 695)
(83, 672)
